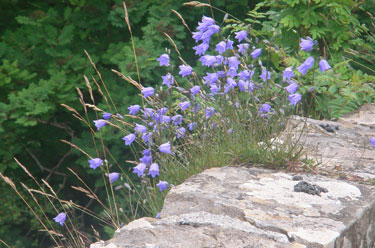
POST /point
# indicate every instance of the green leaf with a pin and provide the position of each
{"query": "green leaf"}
(348, 93)
(66, 35)
(27, 21)
(333, 89)
(51, 34)
(292, 3)
(290, 22)
(340, 106)
(317, 33)
(67, 13)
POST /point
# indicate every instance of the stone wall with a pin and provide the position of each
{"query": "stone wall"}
(255, 207)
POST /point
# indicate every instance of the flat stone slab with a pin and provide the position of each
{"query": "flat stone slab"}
(364, 116)
(341, 146)
(255, 207)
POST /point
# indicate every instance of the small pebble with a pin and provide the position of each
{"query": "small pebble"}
(297, 178)
(309, 188)
(328, 128)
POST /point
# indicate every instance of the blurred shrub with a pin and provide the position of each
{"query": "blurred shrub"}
(344, 32)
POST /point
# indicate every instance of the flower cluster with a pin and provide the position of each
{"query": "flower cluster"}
(305, 45)
(234, 68)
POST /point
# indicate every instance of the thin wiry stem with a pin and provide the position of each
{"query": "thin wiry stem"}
(3, 242)
(72, 234)
(10, 183)
(199, 4)
(101, 80)
(126, 17)
(182, 19)
(88, 188)
(40, 187)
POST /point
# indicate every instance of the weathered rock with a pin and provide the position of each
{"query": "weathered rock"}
(347, 149)
(252, 207)
(364, 116)
(297, 178)
(256, 207)
(309, 188)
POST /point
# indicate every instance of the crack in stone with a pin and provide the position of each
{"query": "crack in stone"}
(276, 229)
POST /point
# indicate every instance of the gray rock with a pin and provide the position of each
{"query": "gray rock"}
(347, 151)
(255, 207)
(309, 188)
(297, 178)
